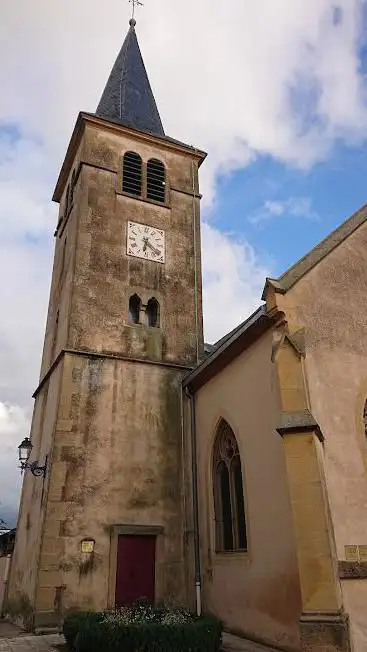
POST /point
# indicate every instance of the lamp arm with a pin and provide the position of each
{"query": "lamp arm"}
(35, 468)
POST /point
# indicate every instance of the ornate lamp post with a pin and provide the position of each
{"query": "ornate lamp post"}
(24, 451)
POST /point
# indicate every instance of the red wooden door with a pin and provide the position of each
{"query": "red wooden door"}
(135, 577)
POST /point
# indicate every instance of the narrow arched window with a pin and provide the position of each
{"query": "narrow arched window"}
(156, 180)
(229, 504)
(67, 201)
(365, 418)
(134, 309)
(72, 188)
(152, 313)
(132, 173)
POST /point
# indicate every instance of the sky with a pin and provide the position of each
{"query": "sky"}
(275, 92)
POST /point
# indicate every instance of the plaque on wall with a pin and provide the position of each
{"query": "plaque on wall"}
(362, 550)
(351, 553)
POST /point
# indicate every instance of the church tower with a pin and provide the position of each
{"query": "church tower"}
(106, 523)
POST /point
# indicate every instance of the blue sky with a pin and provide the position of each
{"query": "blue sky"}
(275, 92)
(333, 189)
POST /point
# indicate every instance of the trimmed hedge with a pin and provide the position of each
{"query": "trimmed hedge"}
(89, 633)
(74, 622)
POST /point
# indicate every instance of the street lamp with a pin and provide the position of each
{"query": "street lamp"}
(24, 451)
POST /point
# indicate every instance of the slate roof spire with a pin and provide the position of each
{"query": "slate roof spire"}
(128, 97)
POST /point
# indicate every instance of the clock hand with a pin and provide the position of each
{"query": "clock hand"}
(155, 251)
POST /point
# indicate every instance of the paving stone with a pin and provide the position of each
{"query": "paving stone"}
(29, 643)
(235, 644)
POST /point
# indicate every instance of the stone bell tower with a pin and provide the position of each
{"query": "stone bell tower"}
(106, 525)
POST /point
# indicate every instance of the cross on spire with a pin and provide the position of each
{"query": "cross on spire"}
(135, 3)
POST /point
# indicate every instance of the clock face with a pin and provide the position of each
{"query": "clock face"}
(145, 242)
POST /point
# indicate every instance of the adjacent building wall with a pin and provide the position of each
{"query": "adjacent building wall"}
(255, 592)
(331, 305)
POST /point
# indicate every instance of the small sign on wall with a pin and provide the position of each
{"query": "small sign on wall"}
(356, 553)
(351, 553)
(87, 546)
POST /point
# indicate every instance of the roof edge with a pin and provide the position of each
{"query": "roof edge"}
(228, 348)
(290, 277)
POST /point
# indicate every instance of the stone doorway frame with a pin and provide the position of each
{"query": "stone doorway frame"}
(138, 531)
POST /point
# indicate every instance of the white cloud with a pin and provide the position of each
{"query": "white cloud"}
(263, 77)
(14, 426)
(293, 206)
(237, 81)
(233, 278)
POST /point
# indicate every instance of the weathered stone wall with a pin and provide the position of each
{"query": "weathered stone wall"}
(105, 277)
(255, 592)
(331, 305)
(57, 325)
(23, 578)
(111, 427)
(116, 460)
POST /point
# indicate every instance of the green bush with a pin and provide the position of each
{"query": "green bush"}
(199, 635)
(75, 621)
(143, 628)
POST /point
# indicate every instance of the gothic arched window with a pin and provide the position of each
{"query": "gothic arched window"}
(156, 180)
(134, 309)
(132, 173)
(152, 313)
(229, 505)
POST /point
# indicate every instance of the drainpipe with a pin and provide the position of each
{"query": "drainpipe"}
(195, 500)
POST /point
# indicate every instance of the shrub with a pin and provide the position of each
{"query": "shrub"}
(143, 628)
(198, 635)
(75, 621)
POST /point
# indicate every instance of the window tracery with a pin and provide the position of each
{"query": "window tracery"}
(229, 504)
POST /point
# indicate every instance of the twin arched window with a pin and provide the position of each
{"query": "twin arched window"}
(152, 311)
(69, 195)
(132, 174)
(134, 309)
(132, 177)
(156, 180)
(229, 503)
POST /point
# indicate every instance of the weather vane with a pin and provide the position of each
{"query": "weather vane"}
(135, 3)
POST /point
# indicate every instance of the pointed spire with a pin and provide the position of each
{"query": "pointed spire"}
(128, 97)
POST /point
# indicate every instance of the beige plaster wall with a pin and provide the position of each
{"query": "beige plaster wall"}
(255, 592)
(331, 302)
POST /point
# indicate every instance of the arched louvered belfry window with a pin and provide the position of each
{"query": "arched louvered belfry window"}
(152, 313)
(132, 174)
(156, 180)
(134, 309)
(229, 504)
